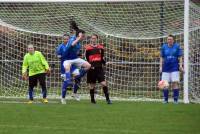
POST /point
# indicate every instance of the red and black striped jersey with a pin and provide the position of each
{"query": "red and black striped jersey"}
(94, 54)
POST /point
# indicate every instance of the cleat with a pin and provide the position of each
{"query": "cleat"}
(76, 97)
(63, 101)
(93, 102)
(175, 102)
(30, 102)
(44, 100)
(109, 102)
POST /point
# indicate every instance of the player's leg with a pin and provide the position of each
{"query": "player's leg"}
(91, 80)
(62, 71)
(83, 65)
(92, 91)
(75, 72)
(175, 85)
(67, 80)
(32, 84)
(101, 79)
(165, 76)
(42, 81)
(76, 85)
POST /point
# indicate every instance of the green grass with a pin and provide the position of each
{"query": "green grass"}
(85, 118)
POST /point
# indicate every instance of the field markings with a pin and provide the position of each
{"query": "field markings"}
(68, 128)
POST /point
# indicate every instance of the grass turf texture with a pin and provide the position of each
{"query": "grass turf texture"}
(85, 118)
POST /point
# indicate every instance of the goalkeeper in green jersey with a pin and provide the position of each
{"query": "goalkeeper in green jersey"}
(37, 67)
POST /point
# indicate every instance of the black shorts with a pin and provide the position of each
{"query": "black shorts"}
(96, 74)
(38, 77)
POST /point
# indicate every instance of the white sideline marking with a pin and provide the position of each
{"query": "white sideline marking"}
(68, 128)
(25, 102)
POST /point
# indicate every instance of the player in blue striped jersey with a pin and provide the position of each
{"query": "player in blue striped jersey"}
(170, 65)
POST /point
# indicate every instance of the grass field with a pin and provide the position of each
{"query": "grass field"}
(85, 118)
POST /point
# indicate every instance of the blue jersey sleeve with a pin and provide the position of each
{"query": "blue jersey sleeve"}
(162, 51)
(69, 44)
(58, 50)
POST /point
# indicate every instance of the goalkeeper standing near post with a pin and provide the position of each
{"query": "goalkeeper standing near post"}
(170, 65)
(94, 53)
(37, 67)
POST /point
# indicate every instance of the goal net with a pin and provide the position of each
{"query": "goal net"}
(132, 33)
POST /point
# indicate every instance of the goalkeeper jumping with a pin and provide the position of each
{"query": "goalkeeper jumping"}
(37, 67)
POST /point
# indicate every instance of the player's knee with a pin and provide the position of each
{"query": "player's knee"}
(175, 84)
(92, 86)
(87, 65)
(67, 68)
(75, 73)
(103, 83)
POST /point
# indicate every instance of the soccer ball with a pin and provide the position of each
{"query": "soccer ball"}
(163, 84)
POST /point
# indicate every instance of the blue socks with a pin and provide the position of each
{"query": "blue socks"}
(66, 83)
(44, 92)
(176, 94)
(76, 87)
(64, 89)
(30, 92)
(165, 95)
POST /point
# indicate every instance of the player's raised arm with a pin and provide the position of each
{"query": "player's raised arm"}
(80, 35)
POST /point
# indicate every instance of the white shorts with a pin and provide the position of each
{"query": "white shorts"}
(78, 62)
(171, 77)
(74, 73)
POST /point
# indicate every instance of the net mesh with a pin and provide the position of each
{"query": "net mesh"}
(132, 33)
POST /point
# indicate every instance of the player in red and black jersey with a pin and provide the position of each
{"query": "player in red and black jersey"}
(94, 53)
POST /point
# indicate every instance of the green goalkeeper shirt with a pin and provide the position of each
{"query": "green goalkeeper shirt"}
(36, 63)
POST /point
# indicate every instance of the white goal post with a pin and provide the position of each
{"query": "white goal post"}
(131, 30)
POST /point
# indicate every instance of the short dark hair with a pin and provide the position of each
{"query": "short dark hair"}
(79, 31)
(64, 35)
(95, 35)
(170, 35)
